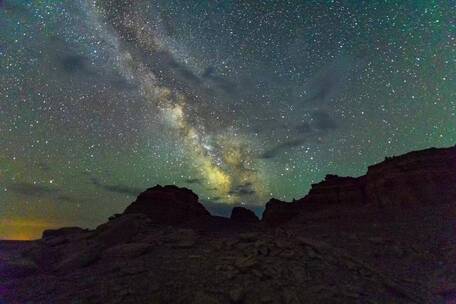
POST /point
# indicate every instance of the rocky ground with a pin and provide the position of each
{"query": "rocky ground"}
(166, 248)
(130, 260)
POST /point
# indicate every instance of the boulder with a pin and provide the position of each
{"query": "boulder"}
(243, 215)
(168, 205)
(120, 230)
(278, 212)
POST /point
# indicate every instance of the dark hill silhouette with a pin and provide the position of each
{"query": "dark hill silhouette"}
(385, 237)
(415, 178)
(168, 205)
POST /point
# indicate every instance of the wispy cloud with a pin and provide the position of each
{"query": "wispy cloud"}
(116, 188)
(32, 189)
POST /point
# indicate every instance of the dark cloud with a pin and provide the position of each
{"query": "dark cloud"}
(121, 189)
(32, 189)
(43, 166)
(121, 84)
(276, 150)
(75, 63)
(243, 190)
(168, 70)
(15, 8)
(322, 121)
(180, 73)
(220, 82)
(311, 131)
(67, 198)
(210, 71)
(40, 191)
(323, 87)
(174, 73)
(168, 24)
(193, 181)
(303, 128)
(330, 80)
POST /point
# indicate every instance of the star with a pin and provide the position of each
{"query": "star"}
(239, 101)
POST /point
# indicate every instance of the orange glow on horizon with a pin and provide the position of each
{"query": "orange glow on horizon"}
(24, 229)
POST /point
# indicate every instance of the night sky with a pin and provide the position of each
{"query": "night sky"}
(240, 101)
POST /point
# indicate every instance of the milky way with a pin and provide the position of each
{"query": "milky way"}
(240, 101)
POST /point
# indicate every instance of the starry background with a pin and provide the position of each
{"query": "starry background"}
(240, 101)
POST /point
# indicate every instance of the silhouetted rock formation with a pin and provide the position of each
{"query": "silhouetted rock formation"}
(166, 248)
(63, 232)
(168, 205)
(243, 215)
(419, 177)
(121, 229)
(277, 212)
(335, 190)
